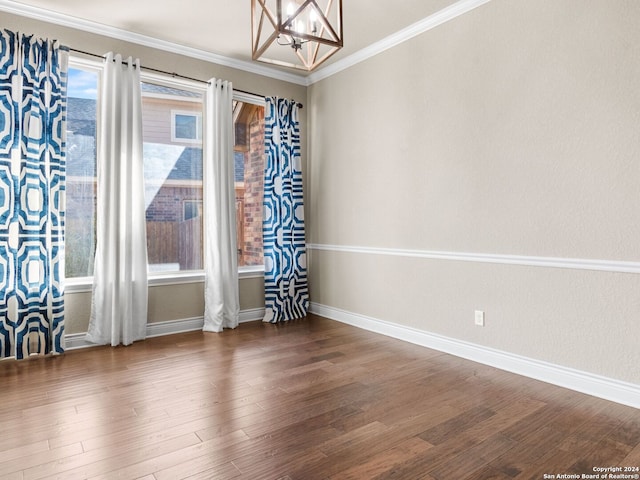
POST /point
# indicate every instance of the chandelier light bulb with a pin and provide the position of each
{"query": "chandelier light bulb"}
(313, 20)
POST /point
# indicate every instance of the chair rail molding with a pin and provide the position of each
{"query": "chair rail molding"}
(618, 266)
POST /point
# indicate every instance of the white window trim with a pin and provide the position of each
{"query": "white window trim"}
(251, 271)
(249, 98)
(85, 284)
(87, 64)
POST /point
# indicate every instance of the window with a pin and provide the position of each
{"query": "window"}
(80, 219)
(248, 120)
(173, 162)
(192, 209)
(172, 117)
(186, 127)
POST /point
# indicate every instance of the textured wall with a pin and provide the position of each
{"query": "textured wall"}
(511, 130)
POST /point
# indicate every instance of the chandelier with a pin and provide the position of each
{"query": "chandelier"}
(311, 29)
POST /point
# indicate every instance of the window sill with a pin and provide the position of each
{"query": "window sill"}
(256, 271)
(85, 284)
(175, 278)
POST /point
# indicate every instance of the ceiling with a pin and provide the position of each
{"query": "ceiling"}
(223, 27)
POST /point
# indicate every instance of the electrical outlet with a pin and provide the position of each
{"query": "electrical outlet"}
(479, 318)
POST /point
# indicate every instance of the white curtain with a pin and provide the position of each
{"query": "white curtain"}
(222, 305)
(119, 303)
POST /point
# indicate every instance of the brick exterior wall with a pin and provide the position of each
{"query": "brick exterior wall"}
(254, 184)
(167, 205)
(165, 218)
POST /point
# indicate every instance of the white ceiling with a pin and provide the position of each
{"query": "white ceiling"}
(222, 27)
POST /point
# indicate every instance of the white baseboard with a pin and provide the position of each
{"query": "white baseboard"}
(251, 315)
(169, 327)
(77, 340)
(584, 382)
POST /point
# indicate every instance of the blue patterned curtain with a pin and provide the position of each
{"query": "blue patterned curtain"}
(33, 80)
(285, 276)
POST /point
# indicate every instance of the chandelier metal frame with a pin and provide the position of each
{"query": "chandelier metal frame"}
(305, 27)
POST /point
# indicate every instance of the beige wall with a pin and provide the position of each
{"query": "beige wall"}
(512, 130)
(175, 301)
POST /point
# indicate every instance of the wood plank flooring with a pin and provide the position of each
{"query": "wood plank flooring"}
(311, 399)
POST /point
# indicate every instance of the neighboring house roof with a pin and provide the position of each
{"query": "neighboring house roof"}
(81, 125)
(188, 166)
(81, 116)
(81, 133)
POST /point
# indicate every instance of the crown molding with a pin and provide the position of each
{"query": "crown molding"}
(56, 18)
(446, 14)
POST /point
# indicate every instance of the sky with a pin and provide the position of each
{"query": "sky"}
(82, 84)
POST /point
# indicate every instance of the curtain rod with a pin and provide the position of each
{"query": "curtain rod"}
(171, 74)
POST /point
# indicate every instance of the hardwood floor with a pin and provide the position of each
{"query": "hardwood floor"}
(312, 399)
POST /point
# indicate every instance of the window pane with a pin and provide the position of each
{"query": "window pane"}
(186, 127)
(249, 170)
(80, 217)
(173, 178)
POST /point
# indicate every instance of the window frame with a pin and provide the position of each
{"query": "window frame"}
(198, 119)
(176, 276)
(85, 284)
(250, 271)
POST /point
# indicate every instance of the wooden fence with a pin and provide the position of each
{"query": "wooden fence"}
(181, 242)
